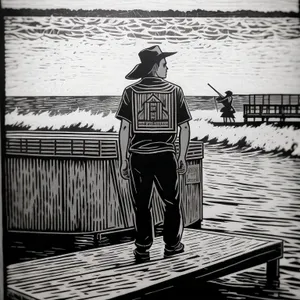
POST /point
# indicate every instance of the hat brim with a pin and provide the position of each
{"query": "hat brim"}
(138, 71)
(142, 69)
(166, 54)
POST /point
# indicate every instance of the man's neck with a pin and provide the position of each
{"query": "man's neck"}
(152, 77)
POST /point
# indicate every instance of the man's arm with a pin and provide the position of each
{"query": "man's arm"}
(123, 143)
(184, 138)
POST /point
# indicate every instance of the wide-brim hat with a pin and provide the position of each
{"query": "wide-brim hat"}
(148, 57)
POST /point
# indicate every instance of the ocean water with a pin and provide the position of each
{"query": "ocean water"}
(98, 113)
(255, 193)
(63, 56)
(60, 73)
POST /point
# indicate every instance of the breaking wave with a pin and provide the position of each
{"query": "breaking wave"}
(266, 137)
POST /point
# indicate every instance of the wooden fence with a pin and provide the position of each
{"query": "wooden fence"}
(70, 183)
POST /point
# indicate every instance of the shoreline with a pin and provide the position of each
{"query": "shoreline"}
(138, 13)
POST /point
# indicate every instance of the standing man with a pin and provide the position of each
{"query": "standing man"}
(227, 109)
(151, 111)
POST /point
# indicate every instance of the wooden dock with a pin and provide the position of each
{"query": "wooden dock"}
(272, 106)
(111, 272)
(256, 124)
(266, 112)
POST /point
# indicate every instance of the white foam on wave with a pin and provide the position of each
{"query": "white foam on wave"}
(79, 117)
(264, 137)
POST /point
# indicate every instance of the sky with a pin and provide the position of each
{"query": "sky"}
(225, 5)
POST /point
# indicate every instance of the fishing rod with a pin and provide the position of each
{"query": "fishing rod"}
(215, 90)
(216, 106)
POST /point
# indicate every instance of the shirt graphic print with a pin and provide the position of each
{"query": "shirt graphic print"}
(153, 112)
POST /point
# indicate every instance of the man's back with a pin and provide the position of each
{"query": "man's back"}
(155, 108)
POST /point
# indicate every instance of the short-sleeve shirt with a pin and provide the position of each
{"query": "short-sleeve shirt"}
(155, 108)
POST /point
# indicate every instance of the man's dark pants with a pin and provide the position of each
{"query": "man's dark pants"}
(161, 169)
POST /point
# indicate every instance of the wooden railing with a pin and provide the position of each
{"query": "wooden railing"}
(269, 99)
(62, 144)
(263, 111)
(66, 144)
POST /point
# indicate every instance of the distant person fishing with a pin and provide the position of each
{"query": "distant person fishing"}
(227, 109)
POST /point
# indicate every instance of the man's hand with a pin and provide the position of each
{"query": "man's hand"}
(184, 137)
(124, 169)
(181, 165)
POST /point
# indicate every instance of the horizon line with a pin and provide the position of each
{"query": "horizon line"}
(187, 95)
(139, 13)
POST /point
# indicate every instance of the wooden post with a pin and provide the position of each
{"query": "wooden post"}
(197, 224)
(273, 273)
(97, 239)
(2, 216)
(261, 110)
(201, 189)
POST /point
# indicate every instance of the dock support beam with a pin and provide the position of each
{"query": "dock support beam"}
(196, 225)
(96, 238)
(273, 273)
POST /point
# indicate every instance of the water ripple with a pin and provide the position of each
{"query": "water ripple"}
(174, 29)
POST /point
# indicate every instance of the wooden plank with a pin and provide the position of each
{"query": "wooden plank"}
(124, 197)
(189, 235)
(66, 144)
(111, 194)
(22, 134)
(59, 195)
(22, 174)
(121, 220)
(110, 271)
